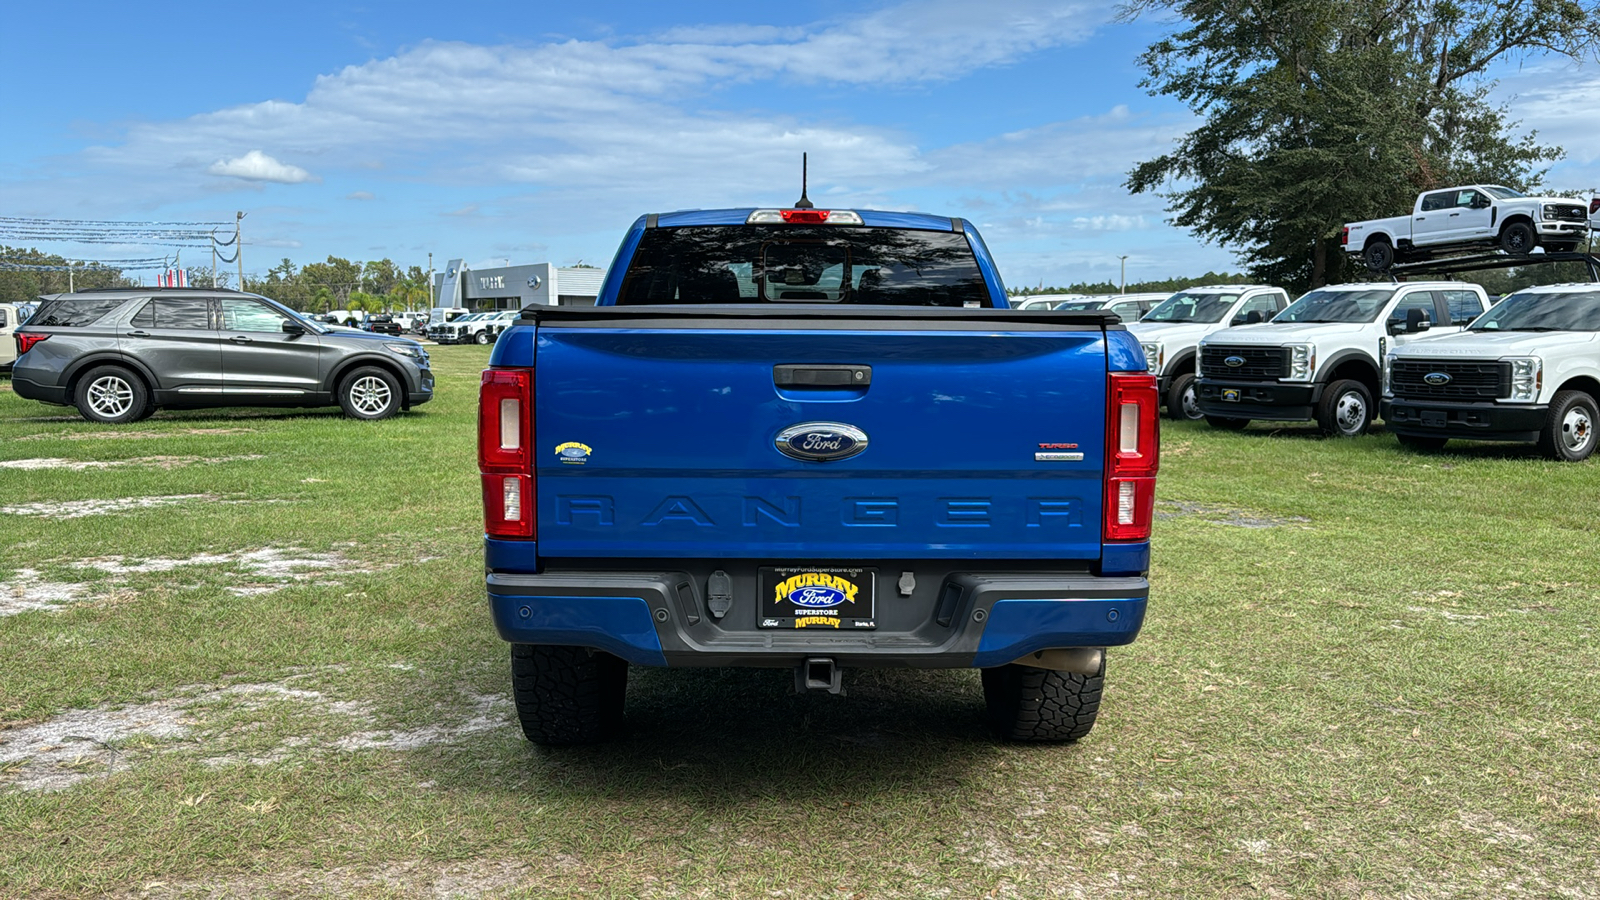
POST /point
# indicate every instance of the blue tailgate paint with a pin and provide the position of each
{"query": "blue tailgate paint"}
(619, 625)
(1124, 353)
(1019, 627)
(681, 424)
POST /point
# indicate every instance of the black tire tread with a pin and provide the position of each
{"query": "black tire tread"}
(1328, 407)
(397, 393)
(143, 403)
(1042, 705)
(567, 695)
(1549, 444)
(1174, 398)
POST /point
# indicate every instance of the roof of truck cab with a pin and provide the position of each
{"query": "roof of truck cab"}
(872, 218)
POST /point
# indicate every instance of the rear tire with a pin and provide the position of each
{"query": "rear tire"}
(1227, 424)
(1569, 431)
(1042, 705)
(369, 393)
(1181, 400)
(1345, 409)
(1518, 239)
(483, 337)
(1378, 255)
(111, 395)
(1422, 443)
(567, 695)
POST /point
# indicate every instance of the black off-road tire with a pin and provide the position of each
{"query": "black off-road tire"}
(1042, 705)
(111, 395)
(1227, 424)
(1378, 255)
(1345, 409)
(1422, 443)
(1518, 239)
(1569, 434)
(567, 695)
(370, 393)
(1181, 385)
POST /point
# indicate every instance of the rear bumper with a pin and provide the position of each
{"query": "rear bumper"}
(29, 389)
(1473, 421)
(1271, 400)
(660, 619)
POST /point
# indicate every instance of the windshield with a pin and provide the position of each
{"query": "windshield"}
(1186, 307)
(1503, 193)
(1337, 306)
(1567, 311)
(806, 264)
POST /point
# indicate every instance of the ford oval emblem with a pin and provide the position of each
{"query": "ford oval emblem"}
(1436, 378)
(1233, 362)
(821, 441)
(815, 597)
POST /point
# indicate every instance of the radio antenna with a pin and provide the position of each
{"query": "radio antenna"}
(803, 203)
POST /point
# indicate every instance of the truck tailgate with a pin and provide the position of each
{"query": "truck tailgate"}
(656, 433)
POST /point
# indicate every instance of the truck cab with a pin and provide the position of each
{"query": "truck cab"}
(814, 440)
(1527, 370)
(1170, 333)
(1321, 359)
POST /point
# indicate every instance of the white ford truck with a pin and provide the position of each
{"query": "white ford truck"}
(1461, 218)
(1171, 332)
(1527, 370)
(10, 318)
(1321, 359)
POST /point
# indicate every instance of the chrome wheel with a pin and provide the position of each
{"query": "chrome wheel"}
(370, 395)
(1351, 413)
(1577, 430)
(1191, 406)
(110, 396)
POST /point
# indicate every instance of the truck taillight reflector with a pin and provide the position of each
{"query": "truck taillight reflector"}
(508, 505)
(505, 452)
(1133, 453)
(1344, 237)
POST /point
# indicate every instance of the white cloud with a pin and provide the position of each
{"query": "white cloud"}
(257, 166)
(359, 195)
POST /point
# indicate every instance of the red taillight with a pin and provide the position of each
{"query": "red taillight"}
(1344, 237)
(1133, 452)
(1594, 206)
(805, 216)
(505, 452)
(26, 341)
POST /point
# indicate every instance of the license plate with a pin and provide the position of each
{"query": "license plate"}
(806, 597)
(1230, 394)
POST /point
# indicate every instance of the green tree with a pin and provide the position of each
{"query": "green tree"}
(380, 276)
(1319, 112)
(339, 275)
(21, 285)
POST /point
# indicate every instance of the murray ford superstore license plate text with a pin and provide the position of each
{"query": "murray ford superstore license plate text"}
(818, 598)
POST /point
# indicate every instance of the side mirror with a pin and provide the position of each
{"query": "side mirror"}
(293, 328)
(1481, 202)
(1415, 322)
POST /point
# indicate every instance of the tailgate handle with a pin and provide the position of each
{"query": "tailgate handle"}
(821, 377)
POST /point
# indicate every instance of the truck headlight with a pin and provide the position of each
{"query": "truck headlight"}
(1388, 376)
(1549, 212)
(1154, 356)
(1527, 378)
(1302, 361)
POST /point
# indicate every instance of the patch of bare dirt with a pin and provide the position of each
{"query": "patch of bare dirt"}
(1223, 515)
(26, 591)
(125, 434)
(153, 462)
(77, 509)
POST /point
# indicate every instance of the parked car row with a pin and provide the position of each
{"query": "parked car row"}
(474, 328)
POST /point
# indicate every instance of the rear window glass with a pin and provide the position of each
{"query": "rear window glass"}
(193, 313)
(75, 312)
(799, 264)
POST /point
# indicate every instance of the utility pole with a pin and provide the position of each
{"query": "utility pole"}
(1124, 259)
(430, 280)
(71, 287)
(238, 245)
(213, 259)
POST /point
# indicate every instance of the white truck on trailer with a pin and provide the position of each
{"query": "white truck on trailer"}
(1465, 218)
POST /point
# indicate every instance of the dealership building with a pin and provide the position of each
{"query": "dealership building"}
(513, 287)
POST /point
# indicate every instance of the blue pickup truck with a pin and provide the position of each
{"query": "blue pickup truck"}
(814, 440)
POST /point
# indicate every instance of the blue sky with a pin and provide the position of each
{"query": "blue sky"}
(536, 132)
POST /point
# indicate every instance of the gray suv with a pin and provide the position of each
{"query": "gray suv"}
(119, 355)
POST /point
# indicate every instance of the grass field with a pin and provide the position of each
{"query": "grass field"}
(268, 672)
